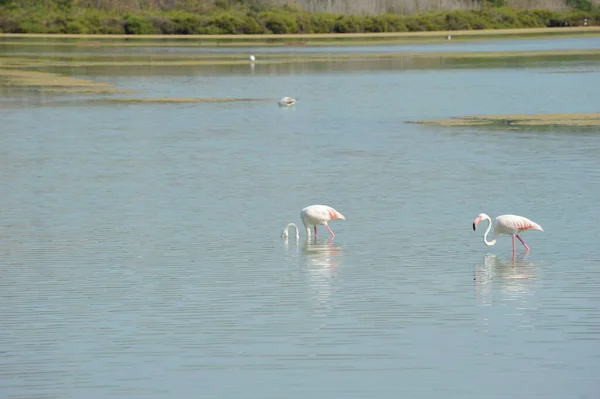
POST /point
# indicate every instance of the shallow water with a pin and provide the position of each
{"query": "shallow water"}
(538, 44)
(141, 254)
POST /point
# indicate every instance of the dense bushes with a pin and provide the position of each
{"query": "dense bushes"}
(249, 20)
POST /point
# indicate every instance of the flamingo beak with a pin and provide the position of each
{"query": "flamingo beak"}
(476, 222)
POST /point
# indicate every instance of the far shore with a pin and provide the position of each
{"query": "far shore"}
(330, 38)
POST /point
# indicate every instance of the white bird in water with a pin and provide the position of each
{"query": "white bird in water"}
(315, 215)
(509, 225)
(287, 101)
(252, 58)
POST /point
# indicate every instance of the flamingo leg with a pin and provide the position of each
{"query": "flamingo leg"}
(315, 231)
(514, 247)
(522, 242)
(328, 228)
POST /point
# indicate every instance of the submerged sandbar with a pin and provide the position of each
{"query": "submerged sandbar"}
(46, 81)
(521, 120)
(165, 100)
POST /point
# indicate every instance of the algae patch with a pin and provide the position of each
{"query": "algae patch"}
(45, 81)
(172, 100)
(521, 120)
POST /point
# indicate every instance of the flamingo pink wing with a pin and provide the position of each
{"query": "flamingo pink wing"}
(332, 213)
(519, 223)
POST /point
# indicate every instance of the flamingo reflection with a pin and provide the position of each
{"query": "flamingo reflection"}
(322, 261)
(515, 278)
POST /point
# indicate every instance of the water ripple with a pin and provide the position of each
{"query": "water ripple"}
(141, 257)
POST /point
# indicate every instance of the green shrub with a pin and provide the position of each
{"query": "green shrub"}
(237, 17)
(542, 17)
(392, 23)
(185, 23)
(209, 30)
(251, 26)
(30, 27)
(348, 24)
(138, 25)
(225, 23)
(278, 22)
(321, 23)
(421, 23)
(222, 4)
(576, 18)
(75, 27)
(373, 25)
(304, 23)
(8, 25)
(163, 24)
(112, 26)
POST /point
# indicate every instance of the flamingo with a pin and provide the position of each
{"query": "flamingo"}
(314, 215)
(506, 224)
(287, 101)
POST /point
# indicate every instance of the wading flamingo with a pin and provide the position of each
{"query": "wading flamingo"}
(287, 101)
(314, 215)
(506, 224)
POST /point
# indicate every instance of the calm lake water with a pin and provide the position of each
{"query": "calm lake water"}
(141, 256)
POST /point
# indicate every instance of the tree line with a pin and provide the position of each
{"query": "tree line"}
(287, 16)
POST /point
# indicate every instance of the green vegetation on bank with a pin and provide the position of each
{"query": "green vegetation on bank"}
(79, 17)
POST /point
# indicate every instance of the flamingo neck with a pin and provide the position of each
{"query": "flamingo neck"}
(286, 229)
(485, 241)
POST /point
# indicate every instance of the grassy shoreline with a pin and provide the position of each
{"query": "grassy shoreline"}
(289, 40)
(592, 30)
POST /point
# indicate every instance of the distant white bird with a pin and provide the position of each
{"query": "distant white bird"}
(506, 224)
(287, 101)
(448, 37)
(252, 58)
(315, 215)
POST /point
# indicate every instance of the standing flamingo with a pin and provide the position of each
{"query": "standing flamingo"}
(315, 215)
(507, 224)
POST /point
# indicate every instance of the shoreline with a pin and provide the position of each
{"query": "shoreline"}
(333, 38)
